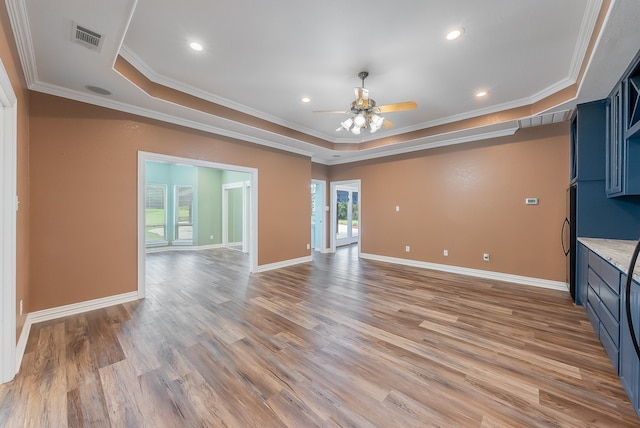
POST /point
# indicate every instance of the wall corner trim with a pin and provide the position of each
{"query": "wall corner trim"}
(283, 264)
(498, 276)
(63, 311)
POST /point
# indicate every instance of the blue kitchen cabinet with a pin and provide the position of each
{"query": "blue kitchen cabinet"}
(603, 305)
(582, 274)
(588, 134)
(629, 362)
(614, 146)
(623, 135)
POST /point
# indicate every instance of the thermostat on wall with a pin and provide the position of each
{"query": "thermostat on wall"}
(531, 201)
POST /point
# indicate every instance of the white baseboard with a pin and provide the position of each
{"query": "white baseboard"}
(282, 264)
(63, 311)
(149, 250)
(525, 280)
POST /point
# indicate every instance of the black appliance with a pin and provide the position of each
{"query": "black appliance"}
(569, 239)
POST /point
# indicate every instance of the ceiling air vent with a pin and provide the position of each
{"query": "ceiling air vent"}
(86, 37)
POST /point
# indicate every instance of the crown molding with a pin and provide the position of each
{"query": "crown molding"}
(584, 36)
(152, 114)
(137, 62)
(482, 133)
(17, 10)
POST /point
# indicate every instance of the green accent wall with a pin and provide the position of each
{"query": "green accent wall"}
(209, 206)
(235, 177)
(234, 205)
(207, 202)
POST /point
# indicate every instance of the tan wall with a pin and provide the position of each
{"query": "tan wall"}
(84, 193)
(470, 200)
(11, 63)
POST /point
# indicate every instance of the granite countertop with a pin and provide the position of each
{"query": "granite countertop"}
(618, 252)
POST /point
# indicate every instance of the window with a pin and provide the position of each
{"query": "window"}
(156, 213)
(184, 213)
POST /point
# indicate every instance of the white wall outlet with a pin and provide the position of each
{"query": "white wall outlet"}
(485, 257)
(531, 201)
(397, 208)
(407, 248)
(308, 246)
(445, 253)
(20, 306)
(210, 236)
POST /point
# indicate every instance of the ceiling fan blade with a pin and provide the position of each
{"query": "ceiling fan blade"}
(390, 108)
(387, 124)
(331, 111)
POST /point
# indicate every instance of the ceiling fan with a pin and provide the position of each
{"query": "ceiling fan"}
(365, 112)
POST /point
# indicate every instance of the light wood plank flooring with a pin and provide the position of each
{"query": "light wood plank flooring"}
(339, 342)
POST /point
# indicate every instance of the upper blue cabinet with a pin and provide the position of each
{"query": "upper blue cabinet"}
(623, 135)
(587, 141)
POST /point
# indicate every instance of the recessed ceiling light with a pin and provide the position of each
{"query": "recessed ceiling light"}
(481, 94)
(454, 34)
(196, 46)
(306, 99)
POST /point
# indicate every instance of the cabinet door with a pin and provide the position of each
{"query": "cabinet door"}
(614, 152)
(629, 362)
(582, 274)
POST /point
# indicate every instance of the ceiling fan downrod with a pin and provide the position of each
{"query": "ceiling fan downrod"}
(363, 75)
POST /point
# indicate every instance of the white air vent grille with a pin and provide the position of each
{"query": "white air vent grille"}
(86, 37)
(544, 119)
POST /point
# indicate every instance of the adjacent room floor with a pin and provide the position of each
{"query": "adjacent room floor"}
(336, 342)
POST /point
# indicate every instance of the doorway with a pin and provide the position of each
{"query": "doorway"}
(318, 215)
(8, 208)
(236, 209)
(249, 221)
(345, 213)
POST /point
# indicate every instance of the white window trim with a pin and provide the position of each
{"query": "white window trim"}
(159, 242)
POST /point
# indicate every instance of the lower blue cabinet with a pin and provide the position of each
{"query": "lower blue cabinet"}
(629, 362)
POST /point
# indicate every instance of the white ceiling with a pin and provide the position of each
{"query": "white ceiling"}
(262, 57)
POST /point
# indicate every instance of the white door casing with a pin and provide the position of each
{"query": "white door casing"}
(8, 208)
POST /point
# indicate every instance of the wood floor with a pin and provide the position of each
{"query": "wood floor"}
(339, 342)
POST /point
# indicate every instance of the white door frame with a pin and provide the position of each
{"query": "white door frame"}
(253, 232)
(321, 205)
(246, 217)
(8, 208)
(334, 214)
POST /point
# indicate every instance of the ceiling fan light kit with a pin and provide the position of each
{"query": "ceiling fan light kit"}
(365, 112)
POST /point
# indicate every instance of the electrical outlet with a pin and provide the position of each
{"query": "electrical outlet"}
(308, 246)
(20, 306)
(397, 208)
(407, 248)
(485, 257)
(210, 236)
(445, 253)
